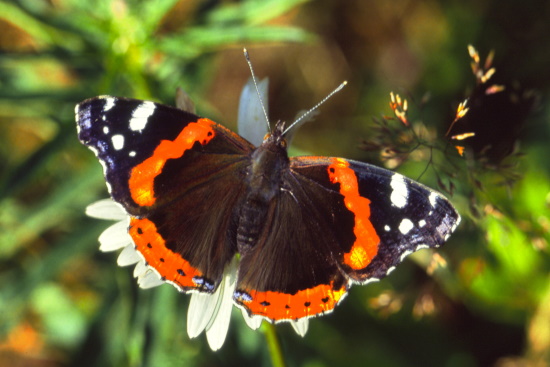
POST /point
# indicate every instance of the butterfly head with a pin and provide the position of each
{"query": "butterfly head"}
(275, 140)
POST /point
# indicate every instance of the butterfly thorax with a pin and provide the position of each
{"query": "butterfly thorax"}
(264, 177)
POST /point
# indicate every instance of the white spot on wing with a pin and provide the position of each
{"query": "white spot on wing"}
(421, 223)
(132, 154)
(141, 115)
(109, 103)
(387, 228)
(118, 141)
(456, 223)
(400, 191)
(405, 226)
(105, 129)
(433, 199)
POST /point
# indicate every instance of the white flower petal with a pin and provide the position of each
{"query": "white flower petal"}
(106, 209)
(300, 326)
(201, 311)
(128, 256)
(251, 119)
(217, 331)
(212, 312)
(253, 322)
(149, 280)
(140, 269)
(115, 237)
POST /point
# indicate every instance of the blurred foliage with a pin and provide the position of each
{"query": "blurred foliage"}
(483, 300)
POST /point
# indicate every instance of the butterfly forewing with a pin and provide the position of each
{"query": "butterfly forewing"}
(393, 216)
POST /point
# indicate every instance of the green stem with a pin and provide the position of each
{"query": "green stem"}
(273, 344)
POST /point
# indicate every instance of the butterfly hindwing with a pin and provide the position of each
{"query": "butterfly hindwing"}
(292, 271)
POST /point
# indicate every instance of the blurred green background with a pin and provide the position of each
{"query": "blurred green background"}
(482, 300)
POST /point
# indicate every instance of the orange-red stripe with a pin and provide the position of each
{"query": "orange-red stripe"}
(283, 306)
(152, 246)
(366, 243)
(142, 177)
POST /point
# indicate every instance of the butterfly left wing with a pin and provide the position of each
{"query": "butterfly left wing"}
(351, 221)
(178, 176)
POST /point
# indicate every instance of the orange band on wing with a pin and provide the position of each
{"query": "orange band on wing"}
(366, 243)
(283, 306)
(142, 177)
(170, 265)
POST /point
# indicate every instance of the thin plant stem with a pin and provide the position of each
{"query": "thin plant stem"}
(273, 344)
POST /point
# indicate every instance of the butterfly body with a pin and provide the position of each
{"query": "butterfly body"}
(264, 182)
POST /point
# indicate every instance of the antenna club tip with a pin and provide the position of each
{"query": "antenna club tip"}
(342, 85)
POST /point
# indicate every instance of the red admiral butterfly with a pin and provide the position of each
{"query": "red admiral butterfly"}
(304, 229)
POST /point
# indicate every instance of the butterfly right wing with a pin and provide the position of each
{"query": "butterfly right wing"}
(334, 223)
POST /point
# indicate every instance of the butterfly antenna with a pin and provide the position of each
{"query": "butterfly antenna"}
(316, 106)
(256, 85)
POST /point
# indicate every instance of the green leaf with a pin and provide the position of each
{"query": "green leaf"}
(253, 11)
(197, 40)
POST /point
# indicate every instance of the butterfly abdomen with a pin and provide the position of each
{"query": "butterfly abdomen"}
(267, 162)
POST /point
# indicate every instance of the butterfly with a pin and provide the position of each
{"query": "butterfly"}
(302, 230)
